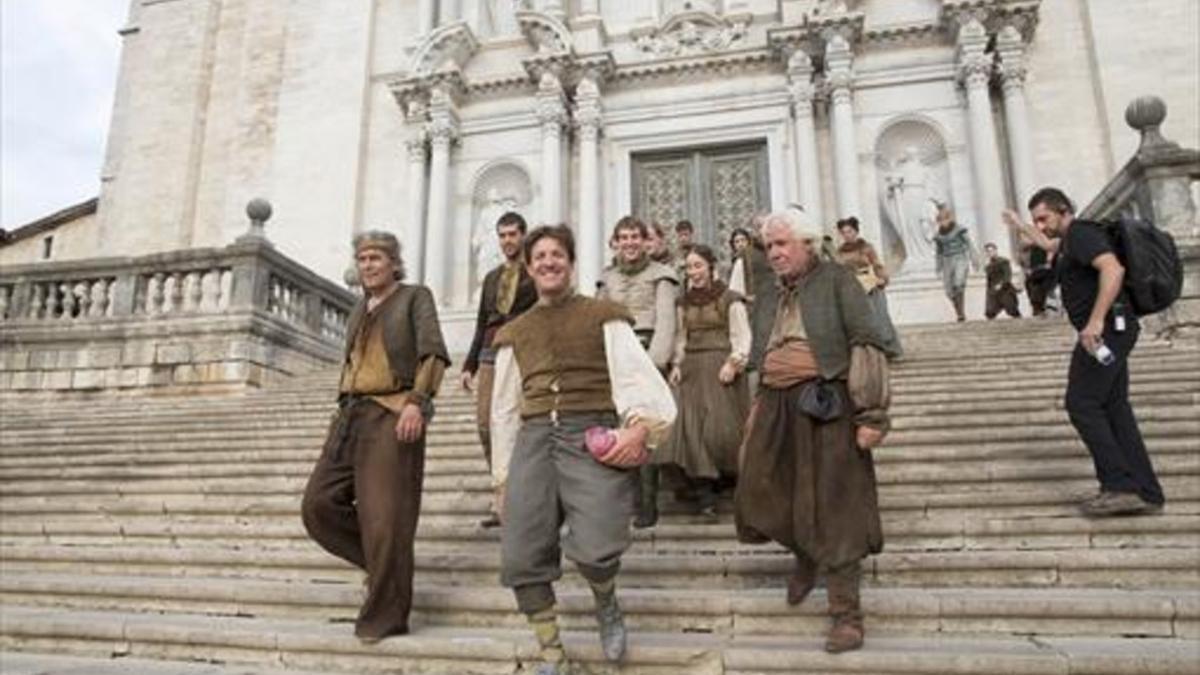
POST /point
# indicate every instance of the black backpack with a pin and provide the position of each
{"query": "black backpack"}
(1153, 270)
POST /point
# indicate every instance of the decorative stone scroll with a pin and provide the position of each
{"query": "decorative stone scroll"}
(449, 46)
(546, 34)
(693, 32)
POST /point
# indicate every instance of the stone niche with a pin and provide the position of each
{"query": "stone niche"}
(500, 187)
(913, 178)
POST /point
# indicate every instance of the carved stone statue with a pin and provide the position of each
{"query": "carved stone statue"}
(911, 198)
(485, 247)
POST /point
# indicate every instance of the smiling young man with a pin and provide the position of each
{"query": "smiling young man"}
(807, 476)
(648, 290)
(364, 495)
(507, 292)
(1097, 399)
(570, 364)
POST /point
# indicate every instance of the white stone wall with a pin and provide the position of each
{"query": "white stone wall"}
(219, 101)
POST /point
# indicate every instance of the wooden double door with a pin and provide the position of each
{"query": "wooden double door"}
(717, 188)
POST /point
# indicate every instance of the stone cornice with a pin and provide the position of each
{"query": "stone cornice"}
(693, 64)
(815, 32)
(994, 15)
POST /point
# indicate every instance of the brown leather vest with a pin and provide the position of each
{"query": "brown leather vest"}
(411, 331)
(560, 351)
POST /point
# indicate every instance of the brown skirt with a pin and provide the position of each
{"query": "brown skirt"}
(805, 484)
(708, 429)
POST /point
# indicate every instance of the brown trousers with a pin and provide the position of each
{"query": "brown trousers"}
(361, 504)
(485, 376)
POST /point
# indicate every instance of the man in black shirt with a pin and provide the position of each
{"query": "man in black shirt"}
(1097, 399)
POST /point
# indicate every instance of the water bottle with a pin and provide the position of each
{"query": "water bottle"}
(1104, 355)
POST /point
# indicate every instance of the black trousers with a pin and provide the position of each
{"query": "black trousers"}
(1097, 402)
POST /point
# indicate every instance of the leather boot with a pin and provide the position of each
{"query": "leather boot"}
(609, 621)
(802, 580)
(847, 631)
(960, 306)
(647, 504)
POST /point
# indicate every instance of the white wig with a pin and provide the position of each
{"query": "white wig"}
(797, 222)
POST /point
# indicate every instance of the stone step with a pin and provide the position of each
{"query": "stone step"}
(17, 663)
(212, 504)
(767, 566)
(454, 651)
(987, 463)
(1046, 498)
(1155, 425)
(1177, 526)
(1170, 613)
(462, 429)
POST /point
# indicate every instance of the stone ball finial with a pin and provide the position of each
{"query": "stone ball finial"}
(350, 277)
(259, 210)
(1146, 114)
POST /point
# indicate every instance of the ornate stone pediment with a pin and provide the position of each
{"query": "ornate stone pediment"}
(447, 47)
(693, 32)
(994, 15)
(546, 34)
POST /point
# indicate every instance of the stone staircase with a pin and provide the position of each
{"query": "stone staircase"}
(166, 530)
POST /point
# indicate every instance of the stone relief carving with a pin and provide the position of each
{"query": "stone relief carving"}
(498, 189)
(692, 32)
(913, 180)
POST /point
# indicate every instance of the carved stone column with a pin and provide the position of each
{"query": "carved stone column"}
(443, 131)
(552, 114)
(840, 79)
(802, 90)
(414, 227)
(555, 8)
(1011, 49)
(589, 117)
(426, 16)
(975, 70)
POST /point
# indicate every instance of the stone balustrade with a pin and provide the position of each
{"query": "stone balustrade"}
(232, 316)
(1159, 184)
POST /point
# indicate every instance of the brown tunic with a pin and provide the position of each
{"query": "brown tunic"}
(803, 482)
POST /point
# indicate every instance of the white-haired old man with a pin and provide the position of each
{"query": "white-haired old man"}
(364, 495)
(807, 477)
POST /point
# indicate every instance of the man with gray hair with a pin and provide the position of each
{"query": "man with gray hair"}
(807, 479)
(364, 495)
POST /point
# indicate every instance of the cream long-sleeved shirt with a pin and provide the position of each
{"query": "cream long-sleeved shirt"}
(640, 394)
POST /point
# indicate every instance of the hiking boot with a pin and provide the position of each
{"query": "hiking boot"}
(1108, 504)
(802, 580)
(612, 626)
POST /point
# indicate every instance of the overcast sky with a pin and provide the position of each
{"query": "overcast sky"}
(58, 70)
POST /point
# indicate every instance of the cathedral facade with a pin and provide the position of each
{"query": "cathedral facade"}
(431, 117)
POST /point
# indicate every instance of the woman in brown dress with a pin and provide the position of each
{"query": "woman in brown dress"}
(862, 259)
(712, 343)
